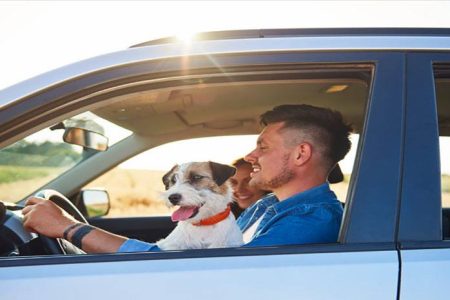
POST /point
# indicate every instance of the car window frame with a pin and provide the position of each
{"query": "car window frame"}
(360, 232)
(420, 223)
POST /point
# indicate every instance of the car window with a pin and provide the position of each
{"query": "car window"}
(443, 96)
(444, 142)
(43, 156)
(443, 105)
(135, 186)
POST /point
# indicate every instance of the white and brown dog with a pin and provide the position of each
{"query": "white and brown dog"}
(203, 195)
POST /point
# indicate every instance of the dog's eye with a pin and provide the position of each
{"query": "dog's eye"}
(173, 180)
(197, 177)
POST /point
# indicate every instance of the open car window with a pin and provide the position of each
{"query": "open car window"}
(214, 108)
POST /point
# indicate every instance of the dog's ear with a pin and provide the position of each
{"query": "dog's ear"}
(166, 176)
(221, 172)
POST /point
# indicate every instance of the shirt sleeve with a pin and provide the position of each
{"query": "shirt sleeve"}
(132, 245)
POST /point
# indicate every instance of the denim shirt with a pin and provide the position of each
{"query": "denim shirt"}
(313, 216)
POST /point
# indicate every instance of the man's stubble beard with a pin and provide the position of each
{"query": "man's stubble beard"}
(283, 177)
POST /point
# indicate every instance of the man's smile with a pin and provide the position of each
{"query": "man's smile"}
(256, 169)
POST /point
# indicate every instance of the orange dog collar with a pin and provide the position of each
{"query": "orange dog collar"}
(215, 219)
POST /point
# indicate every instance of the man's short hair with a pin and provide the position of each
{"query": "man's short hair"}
(324, 127)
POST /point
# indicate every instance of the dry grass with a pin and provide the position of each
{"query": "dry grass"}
(133, 192)
(340, 189)
(14, 191)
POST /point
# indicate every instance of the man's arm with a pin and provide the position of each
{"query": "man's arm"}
(46, 218)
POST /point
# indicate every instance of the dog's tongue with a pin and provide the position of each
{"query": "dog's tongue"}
(183, 213)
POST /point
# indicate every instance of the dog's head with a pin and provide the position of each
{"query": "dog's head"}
(200, 189)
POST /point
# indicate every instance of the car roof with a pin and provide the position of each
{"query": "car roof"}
(301, 32)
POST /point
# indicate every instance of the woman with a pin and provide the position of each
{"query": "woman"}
(244, 195)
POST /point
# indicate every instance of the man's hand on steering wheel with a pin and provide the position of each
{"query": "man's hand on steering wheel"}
(46, 218)
(54, 214)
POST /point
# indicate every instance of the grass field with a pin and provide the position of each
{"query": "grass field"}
(16, 173)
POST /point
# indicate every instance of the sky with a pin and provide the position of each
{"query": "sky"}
(38, 36)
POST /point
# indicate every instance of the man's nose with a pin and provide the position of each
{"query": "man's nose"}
(250, 157)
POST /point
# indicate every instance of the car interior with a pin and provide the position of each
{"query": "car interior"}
(204, 106)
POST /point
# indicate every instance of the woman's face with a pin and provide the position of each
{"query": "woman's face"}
(244, 194)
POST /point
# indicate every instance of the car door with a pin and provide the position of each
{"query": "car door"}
(363, 264)
(424, 227)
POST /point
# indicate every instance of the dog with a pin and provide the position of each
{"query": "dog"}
(202, 192)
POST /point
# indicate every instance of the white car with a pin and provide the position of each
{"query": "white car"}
(393, 85)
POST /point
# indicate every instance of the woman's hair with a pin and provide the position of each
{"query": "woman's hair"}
(240, 162)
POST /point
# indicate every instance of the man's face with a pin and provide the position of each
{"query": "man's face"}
(271, 160)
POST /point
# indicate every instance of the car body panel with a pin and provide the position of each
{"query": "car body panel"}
(424, 273)
(309, 276)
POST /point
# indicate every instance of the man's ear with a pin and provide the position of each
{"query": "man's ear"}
(302, 153)
(221, 172)
(166, 179)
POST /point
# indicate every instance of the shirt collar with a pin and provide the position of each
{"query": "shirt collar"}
(267, 201)
(318, 194)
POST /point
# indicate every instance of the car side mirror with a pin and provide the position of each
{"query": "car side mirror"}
(96, 202)
(85, 138)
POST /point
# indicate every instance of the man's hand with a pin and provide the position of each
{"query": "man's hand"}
(45, 217)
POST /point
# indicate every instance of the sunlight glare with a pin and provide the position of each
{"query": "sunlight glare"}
(186, 36)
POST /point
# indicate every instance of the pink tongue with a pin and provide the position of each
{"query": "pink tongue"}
(183, 213)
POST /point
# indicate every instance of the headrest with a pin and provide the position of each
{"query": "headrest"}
(336, 175)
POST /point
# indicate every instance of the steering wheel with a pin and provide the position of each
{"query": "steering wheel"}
(57, 245)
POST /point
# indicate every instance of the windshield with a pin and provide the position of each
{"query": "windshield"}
(39, 158)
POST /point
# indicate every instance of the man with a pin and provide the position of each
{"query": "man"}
(297, 149)
(295, 153)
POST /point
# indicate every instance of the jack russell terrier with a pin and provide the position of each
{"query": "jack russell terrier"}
(202, 192)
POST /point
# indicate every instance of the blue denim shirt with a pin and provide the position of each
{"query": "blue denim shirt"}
(313, 216)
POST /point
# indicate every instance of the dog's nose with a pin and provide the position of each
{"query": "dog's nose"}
(175, 198)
